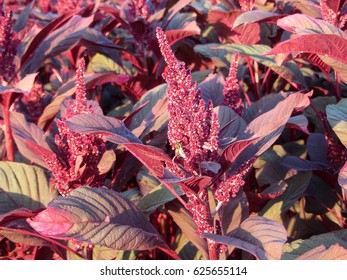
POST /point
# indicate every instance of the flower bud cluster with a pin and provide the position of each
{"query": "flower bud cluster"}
(336, 154)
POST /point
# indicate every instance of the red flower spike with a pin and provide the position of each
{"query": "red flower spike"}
(8, 46)
(193, 127)
(231, 89)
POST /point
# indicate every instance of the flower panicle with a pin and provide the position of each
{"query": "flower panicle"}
(141, 9)
(231, 91)
(193, 125)
(79, 105)
(79, 155)
(8, 46)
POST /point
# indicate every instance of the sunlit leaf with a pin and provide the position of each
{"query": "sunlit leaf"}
(98, 216)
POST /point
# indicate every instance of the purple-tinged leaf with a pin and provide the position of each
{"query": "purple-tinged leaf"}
(304, 24)
(299, 164)
(300, 247)
(180, 4)
(58, 41)
(231, 125)
(174, 36)
(337, 117)
(261, 237)
(23, 17)
(231, 152)
(332, 49)
(317, 148)
(31, 140)
(299, 122)
(289, 71)
(99, 216)
(112, 129)
(23, 186)
(336, 5)
(268, 126)
(212, 89)
(334, 252)
(54, 24)
(68, 89)
(255, 16)
(20, 213)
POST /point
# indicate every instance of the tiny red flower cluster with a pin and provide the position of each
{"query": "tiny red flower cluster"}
(8, 46)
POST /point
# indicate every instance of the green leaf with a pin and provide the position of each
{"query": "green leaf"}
(337, 117)
(99, 216)
(23, 186)
(289, 71)
(299, 247)
(295, 187)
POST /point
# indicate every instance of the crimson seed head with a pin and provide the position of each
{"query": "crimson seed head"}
(8, 47)
(336, 154)
(193, 126)
(246, 5)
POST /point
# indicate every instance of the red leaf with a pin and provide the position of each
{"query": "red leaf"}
(231, 152)
(52, 222)
(323, 44)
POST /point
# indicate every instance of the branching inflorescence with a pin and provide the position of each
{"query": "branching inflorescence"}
(79, 154)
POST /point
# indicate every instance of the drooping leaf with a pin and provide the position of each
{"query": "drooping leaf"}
(337, 117)
(219, 56)
(331, 48)
(261, 237)
(23, 186)
(98, 216)
(175, 35)
(18, 213)
(22, 19)
(31, 140)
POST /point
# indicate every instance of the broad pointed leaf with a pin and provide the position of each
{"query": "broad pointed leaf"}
(255, 16)
(261, 237)
(23, 186)
(332, 49)
(98, 216)
(303, 24)
(31, 140)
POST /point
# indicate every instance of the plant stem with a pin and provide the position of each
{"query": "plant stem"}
(212, 249)
(8, 133)
(338, 87)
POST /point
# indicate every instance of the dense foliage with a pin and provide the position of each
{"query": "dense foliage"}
(173, 129)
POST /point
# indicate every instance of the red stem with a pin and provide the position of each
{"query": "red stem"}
(8, 133)
(251, 72)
